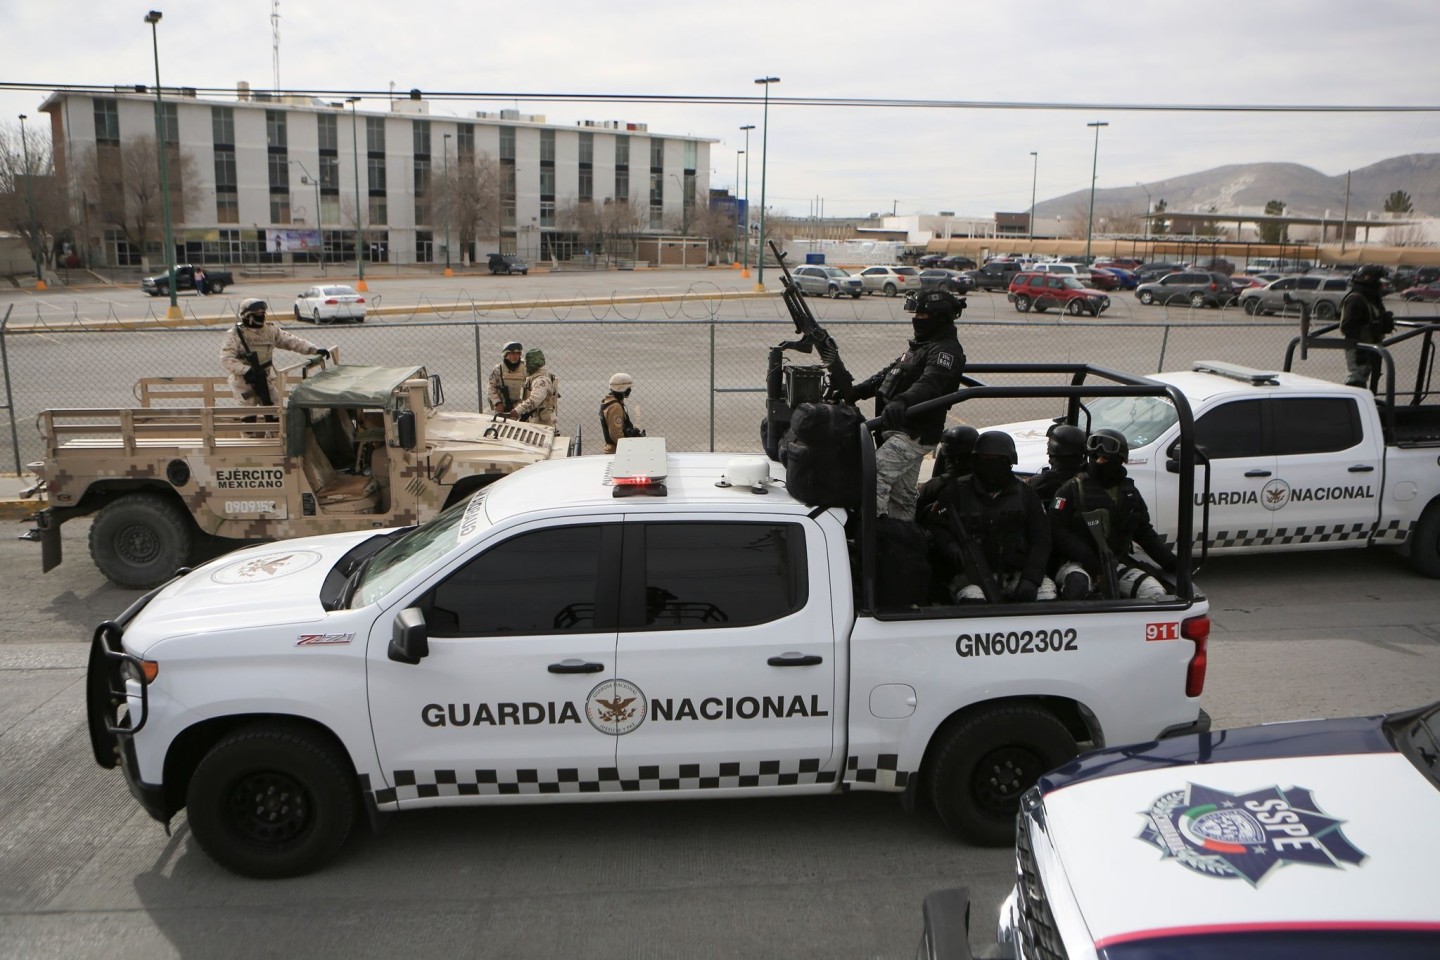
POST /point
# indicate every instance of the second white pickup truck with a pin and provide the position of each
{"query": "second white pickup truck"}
(1295, 462)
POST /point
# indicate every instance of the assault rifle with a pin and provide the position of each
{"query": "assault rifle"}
(1095, 522)
(972, 557)
(812, 335)
(256, 375)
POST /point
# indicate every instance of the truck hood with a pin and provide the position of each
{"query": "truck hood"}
(472, 437)
(1214, 845)
(267, 585)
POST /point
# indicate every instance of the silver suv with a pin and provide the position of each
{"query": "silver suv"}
(890, 280)
(818, 281)
(1188, 286)
(1286, 294)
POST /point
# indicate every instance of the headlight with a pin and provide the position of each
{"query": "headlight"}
(141, 671)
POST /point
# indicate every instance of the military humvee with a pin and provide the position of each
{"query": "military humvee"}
(347, 447)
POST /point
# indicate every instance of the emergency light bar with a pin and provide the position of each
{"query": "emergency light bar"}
(639, 469)
(1233, 371)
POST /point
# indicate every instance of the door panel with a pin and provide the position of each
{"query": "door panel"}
(1232, 434)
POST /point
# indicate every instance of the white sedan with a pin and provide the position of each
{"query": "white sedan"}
(330, 302)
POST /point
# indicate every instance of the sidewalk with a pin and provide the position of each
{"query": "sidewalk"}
(12, 508)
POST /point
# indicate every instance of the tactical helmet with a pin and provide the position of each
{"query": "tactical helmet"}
(253, 305)
(534, 360)
(514, 346)
(952, 453)
(1111, 443)
(1065, 441)
(1369, 275)
(939, 304)
(996, 443)
(621, 381)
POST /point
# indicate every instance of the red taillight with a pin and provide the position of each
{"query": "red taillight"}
(1196, 629)
(359, 299)
(332, 302)
(639, 481)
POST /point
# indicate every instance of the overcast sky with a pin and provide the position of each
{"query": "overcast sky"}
(856, 159)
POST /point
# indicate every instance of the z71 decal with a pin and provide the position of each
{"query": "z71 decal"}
(1016, 641)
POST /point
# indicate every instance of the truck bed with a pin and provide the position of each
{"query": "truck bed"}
(1416, 426)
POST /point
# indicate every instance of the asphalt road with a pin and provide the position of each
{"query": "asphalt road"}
(85, 873)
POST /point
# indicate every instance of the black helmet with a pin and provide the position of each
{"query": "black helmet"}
(1111, 443)
(952, 454)
(939, 304)
(996, 443)
(1065, 441)
(1369, 275)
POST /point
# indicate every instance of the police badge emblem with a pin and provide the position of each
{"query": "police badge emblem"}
(1245, 835)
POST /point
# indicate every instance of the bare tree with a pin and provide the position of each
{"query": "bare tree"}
(123, 184)
(717, 225)
(609, 229)
(472, 196)
(32, 197)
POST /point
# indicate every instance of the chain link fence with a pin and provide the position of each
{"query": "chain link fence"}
(698, 363)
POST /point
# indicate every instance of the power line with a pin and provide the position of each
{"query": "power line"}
(725, 100)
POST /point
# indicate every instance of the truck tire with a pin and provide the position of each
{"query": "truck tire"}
(1324, 310)
(985, 764)
(140, 540)
(214, 286)
(271, 800)
(1425, 542)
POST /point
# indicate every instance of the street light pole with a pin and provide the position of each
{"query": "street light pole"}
(1147, 208)
(1034, 177)
(736, 249)
(153, 18)
(359, 233)
(309, 180)
(1094, 166)
(30, 200)
(764, 159)
(745, 255)
(445, 149)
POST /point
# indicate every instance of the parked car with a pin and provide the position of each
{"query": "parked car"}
(1154, 271)
(995, 275)
(929, 260)
(216, 280)
(953, 280)
(1255, 842)
(1430, 291)
(957, 263)
(1045, 290)
(816, 280)
(1125, 263)
(1193, 287)
(1277, 265)
(890, 280)
(1406, 277)
(1126, 278)
(1322, 293)
(330, 302)
(1065, 269)
(507, 264)
(1102, 278)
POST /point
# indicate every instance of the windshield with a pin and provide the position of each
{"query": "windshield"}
(1141, 419)
(416, 550)
(836, 272)
(1073, 284)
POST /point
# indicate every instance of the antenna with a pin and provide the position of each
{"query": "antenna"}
(275, 33)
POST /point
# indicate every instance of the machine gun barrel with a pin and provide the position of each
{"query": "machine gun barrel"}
(812, 335)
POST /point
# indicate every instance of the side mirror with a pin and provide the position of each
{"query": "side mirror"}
(437, 393)
(409, 638)
(405, 429)
(1172, 457)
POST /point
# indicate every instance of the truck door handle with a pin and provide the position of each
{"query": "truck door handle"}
(1361, 468)
(793, 659)
(575, 666)
(1257, 473)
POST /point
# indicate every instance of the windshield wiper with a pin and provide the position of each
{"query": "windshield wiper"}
(352, 583)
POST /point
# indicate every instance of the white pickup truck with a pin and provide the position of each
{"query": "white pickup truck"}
(647, 625)
(1295, 462)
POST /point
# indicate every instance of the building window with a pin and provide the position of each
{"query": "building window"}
(279, 208)
(171, 123)
(376, 167)
(329, 174)
(587, 148)
(507, 192)
(222, 126)
(622, 169)
(107, 124)
(420, 138)
(227, 208)
(657, 153)
(275, 129)
(507, 143)
(379, 210)
(424, 246)
(547, 146)
(657, 200)
(587, 185)
(327, 132)
(465, 142)
(375, 135)
(690, 149)
(422, 190)
(279, 173)
(547, 213)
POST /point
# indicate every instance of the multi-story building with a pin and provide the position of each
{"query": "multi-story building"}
(248, 175)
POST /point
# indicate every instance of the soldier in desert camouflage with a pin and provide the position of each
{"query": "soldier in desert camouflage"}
(507, 379)
(248, 353)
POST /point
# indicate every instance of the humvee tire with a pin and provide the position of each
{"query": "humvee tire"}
(140, 540)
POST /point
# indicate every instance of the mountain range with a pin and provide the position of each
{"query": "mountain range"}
(1247, 187)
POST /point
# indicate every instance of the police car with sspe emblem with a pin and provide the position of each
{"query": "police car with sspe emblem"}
(650, 625)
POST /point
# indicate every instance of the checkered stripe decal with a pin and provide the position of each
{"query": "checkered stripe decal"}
(1396, 531)
(881, 770)
(421, 784)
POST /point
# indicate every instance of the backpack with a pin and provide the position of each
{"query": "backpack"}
(821, 455)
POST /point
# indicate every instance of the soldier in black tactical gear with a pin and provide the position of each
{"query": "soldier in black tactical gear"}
(1065, 449)
(1095, 518)
(997, 543)
(929, 368)
(952, 461)
(1364, 319)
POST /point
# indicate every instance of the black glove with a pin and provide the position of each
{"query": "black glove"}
(849, 394)
(893, 416)
(322, 352)
(253, 375)
(1025, 591)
